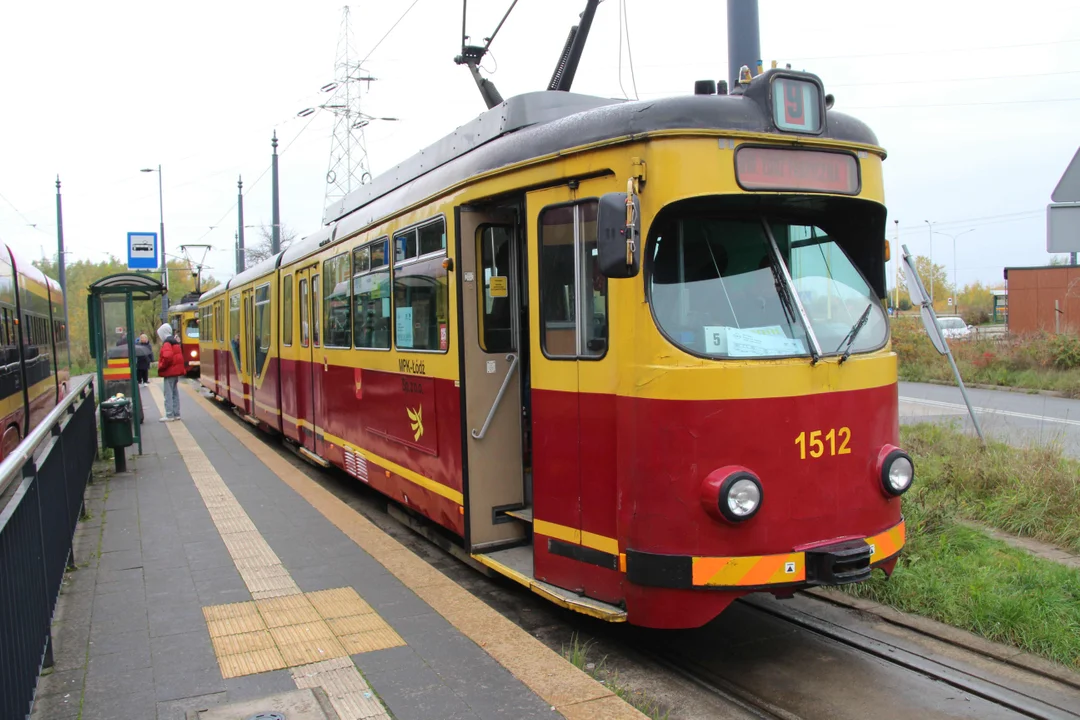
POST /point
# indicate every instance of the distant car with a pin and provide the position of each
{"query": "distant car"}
(954, 328)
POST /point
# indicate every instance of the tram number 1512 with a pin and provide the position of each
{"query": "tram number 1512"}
(818, 447)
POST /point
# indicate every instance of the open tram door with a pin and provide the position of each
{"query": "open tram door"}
(310, 362)
(247, 350)
(489, 255)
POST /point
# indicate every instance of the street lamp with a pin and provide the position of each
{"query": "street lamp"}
(956, 288)
(931, 226)
(164, 262)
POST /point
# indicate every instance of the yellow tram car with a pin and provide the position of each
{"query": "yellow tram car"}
(632, 354)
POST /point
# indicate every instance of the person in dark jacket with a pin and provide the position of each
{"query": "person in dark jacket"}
(143, 356)
(171, 366)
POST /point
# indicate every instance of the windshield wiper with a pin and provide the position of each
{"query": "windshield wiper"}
(788, 296)
(849, 339)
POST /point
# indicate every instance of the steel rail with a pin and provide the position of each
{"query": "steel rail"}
(988, 690)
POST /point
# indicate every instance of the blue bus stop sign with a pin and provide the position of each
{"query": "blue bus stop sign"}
(142, 251)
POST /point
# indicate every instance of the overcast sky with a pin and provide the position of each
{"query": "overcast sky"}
(974, 106)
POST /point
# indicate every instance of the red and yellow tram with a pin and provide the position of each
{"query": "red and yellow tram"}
(184, 318)
(34, 369)
(632, 354)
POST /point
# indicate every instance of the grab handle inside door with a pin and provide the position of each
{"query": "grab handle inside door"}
(479, 435)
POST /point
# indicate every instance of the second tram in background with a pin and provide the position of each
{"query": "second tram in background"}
(633, 355)
(184, 318)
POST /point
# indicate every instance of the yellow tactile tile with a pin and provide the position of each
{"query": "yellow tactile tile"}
(243, 643)
(276, 593)
(233, 524)
(339, 602)
(554, 679)
(311, 651)
(356, 624)
(291, 634)
(289, 610)
(250, 663)
(248, 544)
(232, 610)
(235, 626)
(372, 640)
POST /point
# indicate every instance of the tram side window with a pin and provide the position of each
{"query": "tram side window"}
(422, 297)
(286, 311)
(304, 317)
(337, 301)
(573, 293)
(315, 317)
(371, 296)
(262, 327)
(496, 299)
(234, 326)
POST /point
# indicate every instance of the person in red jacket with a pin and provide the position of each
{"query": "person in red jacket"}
(171, 365)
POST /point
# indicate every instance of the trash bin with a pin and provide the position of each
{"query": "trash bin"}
(116, 430)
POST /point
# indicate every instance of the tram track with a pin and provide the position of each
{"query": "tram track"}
(665, 662)
(1010, 699)
(966, 682)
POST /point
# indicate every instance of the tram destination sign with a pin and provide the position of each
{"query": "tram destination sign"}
(765, 168)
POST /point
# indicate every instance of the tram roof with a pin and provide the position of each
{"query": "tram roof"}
(542, 123)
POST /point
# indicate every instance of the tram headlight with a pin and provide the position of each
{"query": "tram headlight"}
(732, 493)
(194, 353)
(896, 471)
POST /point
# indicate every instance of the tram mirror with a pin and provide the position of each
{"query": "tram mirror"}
(618, 241)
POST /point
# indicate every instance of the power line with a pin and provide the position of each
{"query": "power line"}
(959, 104)
(19, 213)
(260, 177)
(938, 51)
(387, 34)
(928, 81)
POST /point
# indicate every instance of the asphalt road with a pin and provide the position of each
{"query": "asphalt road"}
(1013, 417)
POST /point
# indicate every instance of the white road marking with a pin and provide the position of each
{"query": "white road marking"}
(989, 411)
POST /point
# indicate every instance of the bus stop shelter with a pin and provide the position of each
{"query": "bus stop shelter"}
(110, 313)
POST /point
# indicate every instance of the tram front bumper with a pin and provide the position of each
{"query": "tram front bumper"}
(839, 563)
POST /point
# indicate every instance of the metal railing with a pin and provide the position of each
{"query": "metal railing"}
(43, 480)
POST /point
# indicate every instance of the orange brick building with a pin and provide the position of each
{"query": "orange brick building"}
(1032, 293)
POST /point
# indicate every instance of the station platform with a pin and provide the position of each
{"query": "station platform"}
(217, 581)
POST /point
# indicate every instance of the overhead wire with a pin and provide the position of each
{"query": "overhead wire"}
(20, 214)
(387, 33)
(629, 51)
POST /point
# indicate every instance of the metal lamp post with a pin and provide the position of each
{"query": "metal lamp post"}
(931, 226)
(956, 288)
(164, 262)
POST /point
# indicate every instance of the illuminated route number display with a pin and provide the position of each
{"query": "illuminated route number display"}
(767, 168)
(796, 105)
(817, 443)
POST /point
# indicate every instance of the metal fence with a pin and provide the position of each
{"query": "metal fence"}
(43, 481)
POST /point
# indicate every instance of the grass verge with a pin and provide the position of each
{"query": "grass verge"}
(959, 575)
(1039, 361)
(578, 655)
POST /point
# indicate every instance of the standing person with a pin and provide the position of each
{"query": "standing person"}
(143, 356)
(171, 366)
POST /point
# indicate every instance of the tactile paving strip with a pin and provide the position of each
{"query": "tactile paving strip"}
(283, 627)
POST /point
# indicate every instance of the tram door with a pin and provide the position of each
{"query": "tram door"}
(573, 397)
(247, 351)
(307, 284)
(489, 250)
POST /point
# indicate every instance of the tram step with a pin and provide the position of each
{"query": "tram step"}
(523, 514)
(308, 455)
(516, 563)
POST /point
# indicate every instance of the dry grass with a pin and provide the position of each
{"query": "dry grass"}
(1040, 361)
(961, 576)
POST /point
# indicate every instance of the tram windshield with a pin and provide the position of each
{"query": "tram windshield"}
(192, 329)
(717, 289)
